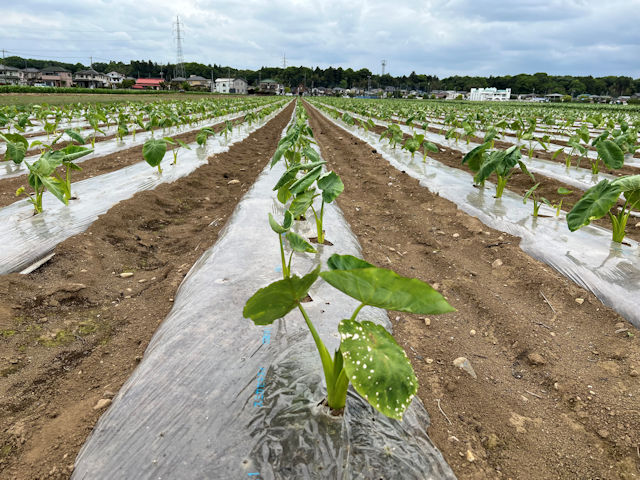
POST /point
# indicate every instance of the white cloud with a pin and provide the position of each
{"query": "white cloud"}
(445, 37)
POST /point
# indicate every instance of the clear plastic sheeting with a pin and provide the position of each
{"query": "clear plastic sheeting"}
(9, 169)
(26, 237)
(218, 397)
(587, 256)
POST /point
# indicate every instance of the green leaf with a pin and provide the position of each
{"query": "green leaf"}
(347, 262)
(386, 289)
(610, 153)
(595, 203)
(301, 203)
(279, 298)
(377, 367)
(291, 172)
(286, 224)
(73, 152)
(299, 244)
(564, 191)
(530, 192)
(75, 135)
(306, 181)
(311, 155)
(331, 186)
(630, 186)
(284, 194)
(475, 158)
(17, 147)
(154, 150)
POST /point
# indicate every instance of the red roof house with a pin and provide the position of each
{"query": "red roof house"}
(148, 83)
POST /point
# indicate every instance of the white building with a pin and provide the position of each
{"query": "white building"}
(231, 85)
(490, 94)
(115, 78)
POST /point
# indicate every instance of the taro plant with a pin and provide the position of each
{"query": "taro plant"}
(368, 356)
(203, 135)
(153, 152)
(413, 144)
(608, 152)
(177, 144)
(17, 147)
(297, 243)
(537, 203)
(67, 156)
(558, 205)
(601, 200)
(502, 163)
(393, 133)
(41, 178)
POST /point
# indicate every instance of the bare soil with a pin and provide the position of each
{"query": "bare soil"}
(73, 331)
(557, 393)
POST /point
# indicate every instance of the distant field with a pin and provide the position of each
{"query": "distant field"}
(62, 98)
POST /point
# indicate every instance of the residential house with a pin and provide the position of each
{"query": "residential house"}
(10, 75)
(231, 85)
(554, 97)
(90, 79)
(270, 86)
(197, 82)
(148, 84)
(56, 77)
(490, 94)
(115, 79)
(30, 76)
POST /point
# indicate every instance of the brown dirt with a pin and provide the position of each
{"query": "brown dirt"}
(557, 394)
(520, 182)
(74, 330)
(99, 165)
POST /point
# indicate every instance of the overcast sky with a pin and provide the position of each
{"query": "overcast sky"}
(443, 37)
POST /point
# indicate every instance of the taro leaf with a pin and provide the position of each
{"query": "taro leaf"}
(600, 138)
(488, 167)
(283, 147)
(279, 298)
(331, 186)
(299, 244)
(306, 181)
(75, 135)
(564, 191)
(286, 224)
(386, 289)
(475, 157)
(524, 169)
(153, 151)
(431, 147)
(595, 203)
(347, 262)
(201, 138)
(283, 193)
(301, 203)
(182, 144)
(377, 367)
(73, 152)
(530, 192)
(311, 155)
(630, 186)
(290, 174)
(17, 146)
(610, 153)
(40, 174)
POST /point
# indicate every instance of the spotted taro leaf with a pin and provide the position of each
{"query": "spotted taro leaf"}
(377, 367)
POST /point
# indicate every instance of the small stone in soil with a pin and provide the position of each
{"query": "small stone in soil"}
(102, 403)
(579, 301)
(536, 359)
(464, 364)
(496, 263)
(126, 274)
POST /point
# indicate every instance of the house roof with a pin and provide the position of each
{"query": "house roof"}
(178, 79)
(89, 71)
(268, 80)
(30, 70)
(196, 78)
(8, 68)
(149, 81)
(54, 69)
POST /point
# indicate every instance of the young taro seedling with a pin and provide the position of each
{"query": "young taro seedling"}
(153, 152)
(502, 163)
(413, 144)
(368, 356)
(393, 133)
(558, 206)
(179, 143)
(531, 193)
(203, 135)
(599, 201)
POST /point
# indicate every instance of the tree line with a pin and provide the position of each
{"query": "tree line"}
(540, 83)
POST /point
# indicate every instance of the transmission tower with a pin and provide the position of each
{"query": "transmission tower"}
(284, 60)
(179, 71)
(384, 64)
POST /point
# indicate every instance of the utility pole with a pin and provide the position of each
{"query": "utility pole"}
(212, 80)
(284, 60)
(384, 64)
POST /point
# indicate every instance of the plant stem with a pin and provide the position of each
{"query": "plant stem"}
(356, 311)
(285, 270)
(327, 363)
(502, 182)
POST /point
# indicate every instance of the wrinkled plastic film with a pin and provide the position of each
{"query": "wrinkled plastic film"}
(587, 256)
(218, 397)
(26, 237)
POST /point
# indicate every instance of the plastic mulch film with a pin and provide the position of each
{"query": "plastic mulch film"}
(26, 237)
(581, 178)
(587, 256)
(9, 169)
(217, 397)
